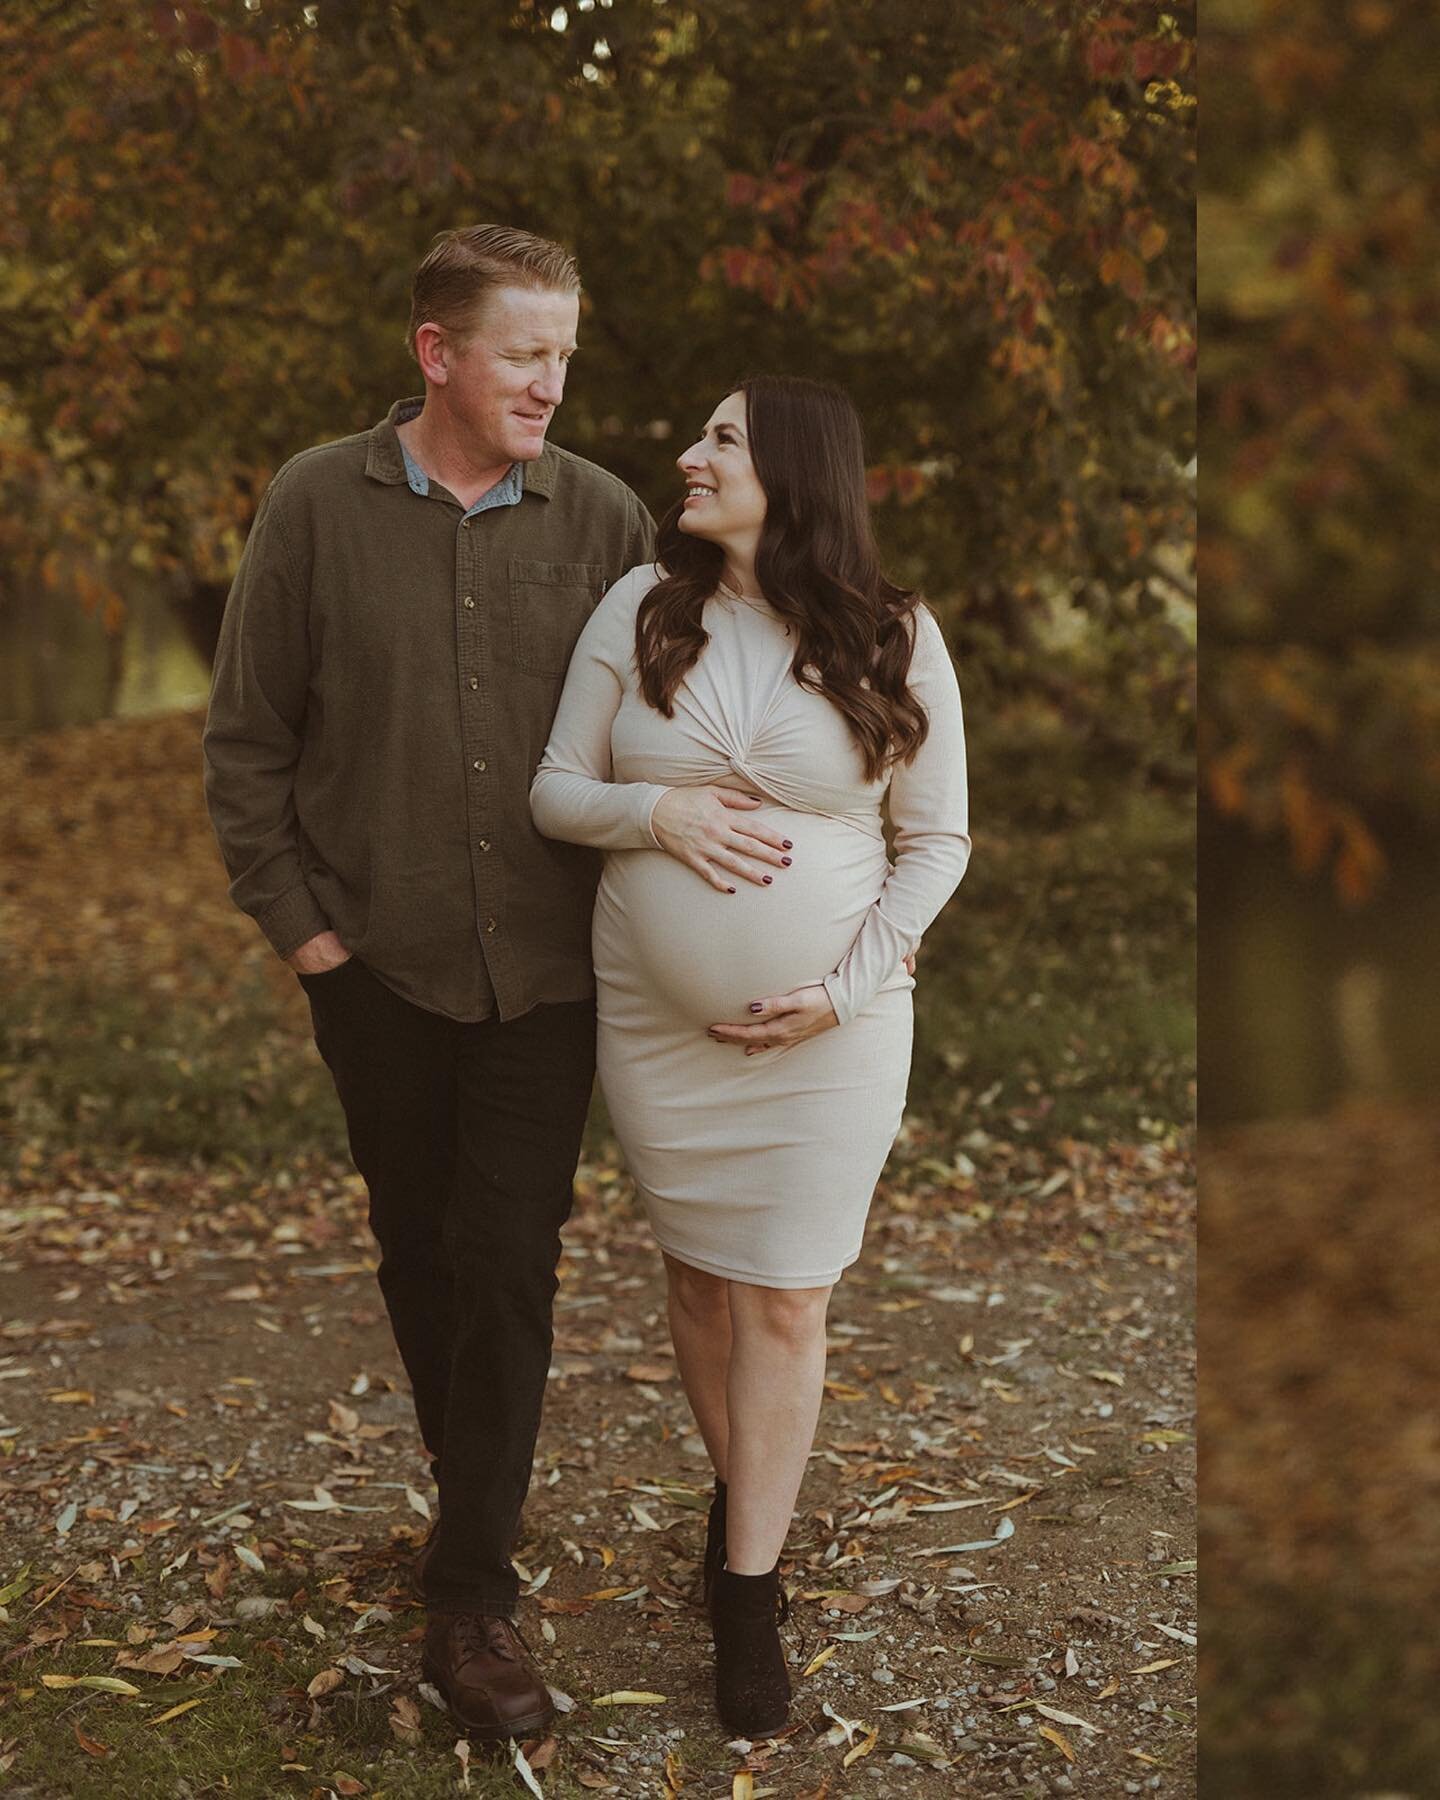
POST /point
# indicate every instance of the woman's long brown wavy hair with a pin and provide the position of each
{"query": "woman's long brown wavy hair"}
(817, 565)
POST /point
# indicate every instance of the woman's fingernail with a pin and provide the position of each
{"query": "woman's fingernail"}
(786, 860)
(729, 890)
(757, 1006)
(788, 845)
(768, 879)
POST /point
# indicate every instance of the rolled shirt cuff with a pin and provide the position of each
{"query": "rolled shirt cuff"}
(292, 920)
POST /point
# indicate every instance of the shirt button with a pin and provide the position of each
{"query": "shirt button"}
(464, 524)
(489, 924)
(484, 843)
(479, 766)
(474, 682)
(470, 603)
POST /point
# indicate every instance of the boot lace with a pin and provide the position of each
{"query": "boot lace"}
(486, 1634)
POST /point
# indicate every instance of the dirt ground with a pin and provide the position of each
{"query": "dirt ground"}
(1321, 1480)
(211, 1485)
(192, 1368)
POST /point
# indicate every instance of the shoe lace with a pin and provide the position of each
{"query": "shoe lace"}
(489, 1634)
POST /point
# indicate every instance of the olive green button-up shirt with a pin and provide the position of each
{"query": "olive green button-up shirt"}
(385, 682)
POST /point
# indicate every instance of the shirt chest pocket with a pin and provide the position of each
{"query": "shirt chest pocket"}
(549, 604)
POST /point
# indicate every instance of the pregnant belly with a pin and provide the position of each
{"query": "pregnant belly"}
(663, 933)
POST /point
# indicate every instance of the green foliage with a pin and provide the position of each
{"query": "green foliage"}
(1055, 997)
(1321, 430)
(977, 219)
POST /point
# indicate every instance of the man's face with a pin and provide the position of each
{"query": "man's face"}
(505, 380)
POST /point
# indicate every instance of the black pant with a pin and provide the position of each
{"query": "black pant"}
(467, 1137)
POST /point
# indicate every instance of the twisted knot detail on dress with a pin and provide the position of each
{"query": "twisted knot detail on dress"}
(757, 1169)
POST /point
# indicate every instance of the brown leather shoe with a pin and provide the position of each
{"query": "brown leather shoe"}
(484, 1670)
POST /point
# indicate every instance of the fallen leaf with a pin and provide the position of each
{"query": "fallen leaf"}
(1005, 1529)
(415, 1500)
(175, 1711)
(524, 1771)
(405, 1720)
(1169, 1662)
(89, 1745)
(106, 1684)
(1064, 1718)
(71, 1397)
(819, 1662)
(324, 1683)
(863, 1748)
(631, 1697)
(1061, 1743)
(650, 1371)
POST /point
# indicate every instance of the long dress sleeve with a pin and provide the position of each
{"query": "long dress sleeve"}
(929, 809)
(573, 796)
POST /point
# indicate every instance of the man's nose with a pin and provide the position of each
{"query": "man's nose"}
(549, 384)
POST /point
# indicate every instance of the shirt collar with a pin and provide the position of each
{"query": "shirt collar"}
(385, 459)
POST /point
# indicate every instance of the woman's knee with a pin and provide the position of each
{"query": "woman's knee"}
(695, 1290)
(791, 1317)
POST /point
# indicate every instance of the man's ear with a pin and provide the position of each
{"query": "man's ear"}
(432, 352)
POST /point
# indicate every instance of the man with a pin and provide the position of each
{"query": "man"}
(387, 673)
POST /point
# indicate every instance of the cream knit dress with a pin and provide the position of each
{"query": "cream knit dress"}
(760, 1168)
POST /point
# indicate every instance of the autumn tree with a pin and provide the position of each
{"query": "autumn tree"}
(1320, 232)
(978, 220)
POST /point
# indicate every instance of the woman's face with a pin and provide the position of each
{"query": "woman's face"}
(724, 500)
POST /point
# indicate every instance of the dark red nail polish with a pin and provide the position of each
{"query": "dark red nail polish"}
(768, 879)
(786, 861)
(788, 844)
(757, 1006)
(729, 890)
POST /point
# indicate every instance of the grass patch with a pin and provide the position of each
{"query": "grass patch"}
(1318, 1696)
(250, 1722)
(98, 1066)
(1056, 997)
(1057, 993)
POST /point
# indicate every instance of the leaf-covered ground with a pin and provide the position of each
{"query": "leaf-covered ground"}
(1320, 1347)
(212, 1487)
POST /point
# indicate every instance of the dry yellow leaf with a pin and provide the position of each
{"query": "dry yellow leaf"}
(175, 1711)
(743, 1786)
(819, 1662)
(863, 1746)
(630, 1697)
(71, 1397)
(1059, 1740)
(325, 1682)
(1151, 1668)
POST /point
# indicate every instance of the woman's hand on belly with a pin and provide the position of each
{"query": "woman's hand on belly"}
(779, 1023)
(705, 828)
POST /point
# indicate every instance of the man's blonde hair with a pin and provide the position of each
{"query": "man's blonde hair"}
(462, 266)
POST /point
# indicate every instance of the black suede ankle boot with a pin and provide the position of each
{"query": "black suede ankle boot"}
(714, 1542)
(752, 1684)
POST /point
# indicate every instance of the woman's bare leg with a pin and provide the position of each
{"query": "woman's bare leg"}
(777, 1374)
(699, 1309)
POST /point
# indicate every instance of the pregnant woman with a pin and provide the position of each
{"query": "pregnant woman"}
(732, 719)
